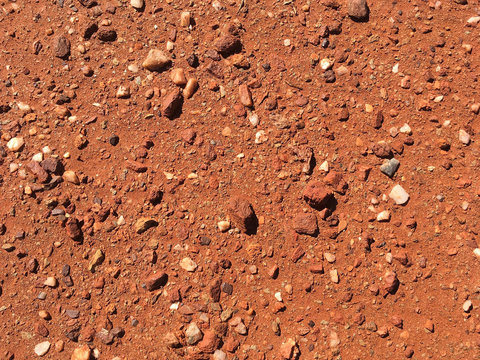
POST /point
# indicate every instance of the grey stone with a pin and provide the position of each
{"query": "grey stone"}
(390, 167)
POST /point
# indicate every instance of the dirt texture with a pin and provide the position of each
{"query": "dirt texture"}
(239, 179)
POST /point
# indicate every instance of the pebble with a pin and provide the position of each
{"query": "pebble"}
(62, 47)
(399, 195)
(156, 60)
(51, 282)
(155, 281)
(71, 177)
(193, 334)
(317, 195)
(223, 225)
(464, 137)
(42, 348)
(390, 167)
(178, 77)
(467, 306)
(357, 9)
(190, 88)
(245, 95)
(383, 216)
(188, 264)
(334, 276)
(429, 326)
(185, 18)
(15, 144)
(144, 223)
(219, 355)
(96, 260)
(228, 44)
(305, 223)
(242, 215)
(123, 92)
(81, 353)
(390, 282)
(172, 104)
(137, 4)
(476, 252)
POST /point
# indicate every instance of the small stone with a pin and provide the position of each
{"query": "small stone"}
(358, 9)
(188, 264)
(155, 281)
(305, 224)
(464, 137)
(228, 44)
(123, 92)
(242, 214)
(223, 225)
(245, 95)
(50, 282)
(429, 326)
(42, 348)
(399, 195)
(156, 60)
(190, 88)
(317, 195)
(137, 4)
(209, 343)
(390, 167)
(81, 353)
(15, 144)
(193, 334)
(71, 177)
(36, 169)
(45, 315)
(172, 104)
(107, 35)
(467, 306)
(390, 282)
(289, 349)
(96, 260)
(219, 355)
(334, 276)
(144, 223)
(73, 229)
(178, 77)
(185, 18)
(62, 47)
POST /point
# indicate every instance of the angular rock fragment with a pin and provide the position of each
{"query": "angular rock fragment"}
(390, 167)
(62, 47)
(228, 44)
(172, 104)
(305, 224)
(155, 281)
(243, 215)
(358, 10)
(144, 223)
(317, 195)
(156, 60)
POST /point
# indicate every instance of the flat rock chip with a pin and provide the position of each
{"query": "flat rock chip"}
(136, 166)
(155, 281)
(243, 215)
(107, 35)
(62, 47)
(305, 224)
(172, 104)
(317, 195)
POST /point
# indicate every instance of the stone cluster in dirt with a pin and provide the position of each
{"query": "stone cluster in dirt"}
(239, 179)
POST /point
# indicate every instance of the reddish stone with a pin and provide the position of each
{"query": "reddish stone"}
(317, 195)
(155, 281)
(243, 215)
(39, 172)
(305, 224)
(209, 343)
(172, 104)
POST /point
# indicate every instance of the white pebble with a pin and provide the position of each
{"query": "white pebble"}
(42, 348)
(253, 118)
(188, 264)
(389, 258)
(260, 137)
(476, 252)
(467, 306)
(137, 4)
(383, 216)
(286, 42)
(326, 64)
(223, 225)
(278, 296)
(46, 150)
(399, 195)
(15, 144)
(405, 129)
(38, 157)
(395, 68)
(464, 137)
